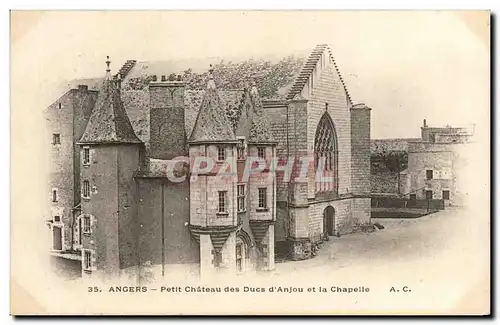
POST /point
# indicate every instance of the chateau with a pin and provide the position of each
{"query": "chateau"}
(131, 183)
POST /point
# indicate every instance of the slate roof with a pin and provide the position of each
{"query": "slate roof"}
(212, 123)
(109, 122)
(260, 131)
(277, 79)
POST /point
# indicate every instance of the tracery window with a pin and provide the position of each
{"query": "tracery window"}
(326, 148)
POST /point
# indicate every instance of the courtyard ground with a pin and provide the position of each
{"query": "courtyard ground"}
(442, 257)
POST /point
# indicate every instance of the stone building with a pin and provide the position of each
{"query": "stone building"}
(128, 190)
(434, 164)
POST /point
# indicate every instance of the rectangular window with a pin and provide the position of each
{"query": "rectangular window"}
(446, 195)
(56, 138)
(57, 219)
(86, 225)
(87, 260)
(428, 195)
(241, 198)
(262, 198)
(222, 201)
(54, 195)
(429, 174)
(86, 156)
(413, 196)
(261, 152)
(221, 153)
(86, 189)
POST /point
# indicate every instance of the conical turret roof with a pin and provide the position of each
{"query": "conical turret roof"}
(212, 124)
(109, 122)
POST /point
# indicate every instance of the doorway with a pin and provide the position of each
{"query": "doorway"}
(329, 221)
(57, 238)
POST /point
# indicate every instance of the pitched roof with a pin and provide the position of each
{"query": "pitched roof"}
(212, 123)
(308, 68)
(109, 122)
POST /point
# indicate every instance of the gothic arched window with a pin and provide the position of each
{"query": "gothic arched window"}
(326, 147)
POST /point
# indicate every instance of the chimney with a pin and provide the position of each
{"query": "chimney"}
(425, 123)
(167, 122)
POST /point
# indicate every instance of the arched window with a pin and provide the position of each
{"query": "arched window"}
(326, 148)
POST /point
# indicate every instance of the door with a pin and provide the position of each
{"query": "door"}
(329, 221)
(57, 238)
(428, 195)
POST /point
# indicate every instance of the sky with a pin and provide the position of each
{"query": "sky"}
(406, 66)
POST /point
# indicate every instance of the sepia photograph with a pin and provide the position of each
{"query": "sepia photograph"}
(250, 162)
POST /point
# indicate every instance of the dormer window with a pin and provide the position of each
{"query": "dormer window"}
(261, 152)
(221, 153)
(241, 149)
(241, 152)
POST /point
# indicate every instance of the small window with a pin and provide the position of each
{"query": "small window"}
(429, 174)
(262, 198)
(86, 225)
(241, 198)
(57, 218)
(241, 150)
(56, 138)
(59, 105)
(86, 156)
(222, 201)
(428, 195)
(261, 152)
(54, 195)
(221, 153)
(241, 153)
(446, 195)
(87, 260)
(86, 189)
(239, 258)
(413, 196)
(217, 258)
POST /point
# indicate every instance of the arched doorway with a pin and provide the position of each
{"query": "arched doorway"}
(242, 252)
(329, 221)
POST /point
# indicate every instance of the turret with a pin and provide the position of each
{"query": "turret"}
(110, 156)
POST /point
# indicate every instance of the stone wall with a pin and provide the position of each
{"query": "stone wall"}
(325, 87)
(167, 125)
(68, 116)
(360, 150)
